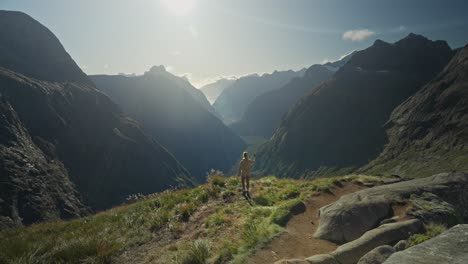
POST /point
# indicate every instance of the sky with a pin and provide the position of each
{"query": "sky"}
(205, 40)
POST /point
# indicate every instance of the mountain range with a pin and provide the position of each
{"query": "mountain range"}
(65, 147)
(178, 116)
(213, 90)
(339, 124)
(234, 100)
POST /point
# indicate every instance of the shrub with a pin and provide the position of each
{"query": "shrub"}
(198, 253)
(432, 230)
(216, 178)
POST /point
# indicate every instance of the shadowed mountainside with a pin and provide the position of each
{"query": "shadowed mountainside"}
(340, 123)
(264, 114)
(161, 102)
(59, 132)
(429, 131)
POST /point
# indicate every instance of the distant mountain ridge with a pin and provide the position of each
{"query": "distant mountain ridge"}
(429, 131)
(65, 146)
(338, 125)
(264, 113)
(177, 115)
(234, 100)
(213, 90)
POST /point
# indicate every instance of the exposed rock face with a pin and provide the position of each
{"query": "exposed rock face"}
(33, 187)
(353, 214)
(428, 133)
(57, 132)
(449, 247)
(377, 256)
(168, 108)
(233, 101)
(352, 252)
(264, 114)
(326, 127)
(387, 234)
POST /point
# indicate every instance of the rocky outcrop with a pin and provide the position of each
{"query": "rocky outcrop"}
(449, 247)
(339, 124)
(352, 252)
(428, 133)
(377, 256)
(354, 214)
(387, 234)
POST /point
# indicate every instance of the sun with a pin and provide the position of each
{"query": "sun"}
(179, 7)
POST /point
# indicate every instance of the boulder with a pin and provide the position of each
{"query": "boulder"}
(377, 256)
(354, 214)
(449, 247)
(401, 245)
(322, 259)
(291, 261)
(387, 234)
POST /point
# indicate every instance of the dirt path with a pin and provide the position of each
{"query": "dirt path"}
(297, 240)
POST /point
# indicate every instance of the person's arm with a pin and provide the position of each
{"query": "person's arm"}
(239, 170)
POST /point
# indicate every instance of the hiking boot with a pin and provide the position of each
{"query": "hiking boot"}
(248, 194)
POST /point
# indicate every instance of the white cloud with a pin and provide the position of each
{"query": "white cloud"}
(175, 53)
(358, 34)
(193, 31)
(398, 29)
(106, 66)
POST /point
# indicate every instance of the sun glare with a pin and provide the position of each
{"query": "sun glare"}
(179, 7)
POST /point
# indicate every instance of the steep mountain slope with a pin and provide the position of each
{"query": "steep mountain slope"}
(213, 90)
(429, 131)
(264, 114)
(339, 124)
(59, 132)
(198, 139)
(235, 99)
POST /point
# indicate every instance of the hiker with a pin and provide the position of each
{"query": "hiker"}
(244, 172)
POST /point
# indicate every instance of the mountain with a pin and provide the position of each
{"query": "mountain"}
(172, 114)
(65, 146)
(339, 124)
(213, 90)
(264, 114)
(336, 65)
(234, 100)
(429, 131)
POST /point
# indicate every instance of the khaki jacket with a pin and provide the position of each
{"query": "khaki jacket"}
(244, 167)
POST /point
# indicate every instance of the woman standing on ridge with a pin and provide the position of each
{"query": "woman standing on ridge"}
(244, 172)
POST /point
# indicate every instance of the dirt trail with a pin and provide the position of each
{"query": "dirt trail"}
(297, 240)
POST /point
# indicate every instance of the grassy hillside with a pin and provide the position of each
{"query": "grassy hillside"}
(208, 223)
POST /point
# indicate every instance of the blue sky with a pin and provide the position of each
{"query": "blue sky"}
(206, 39)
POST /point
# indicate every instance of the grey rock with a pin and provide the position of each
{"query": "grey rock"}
(390, 220)
(291, 261)
(430, 208)
(387, 234)
(449, 247)
(401, 245)
(377, 256)
(354, 214)
(322, 259)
